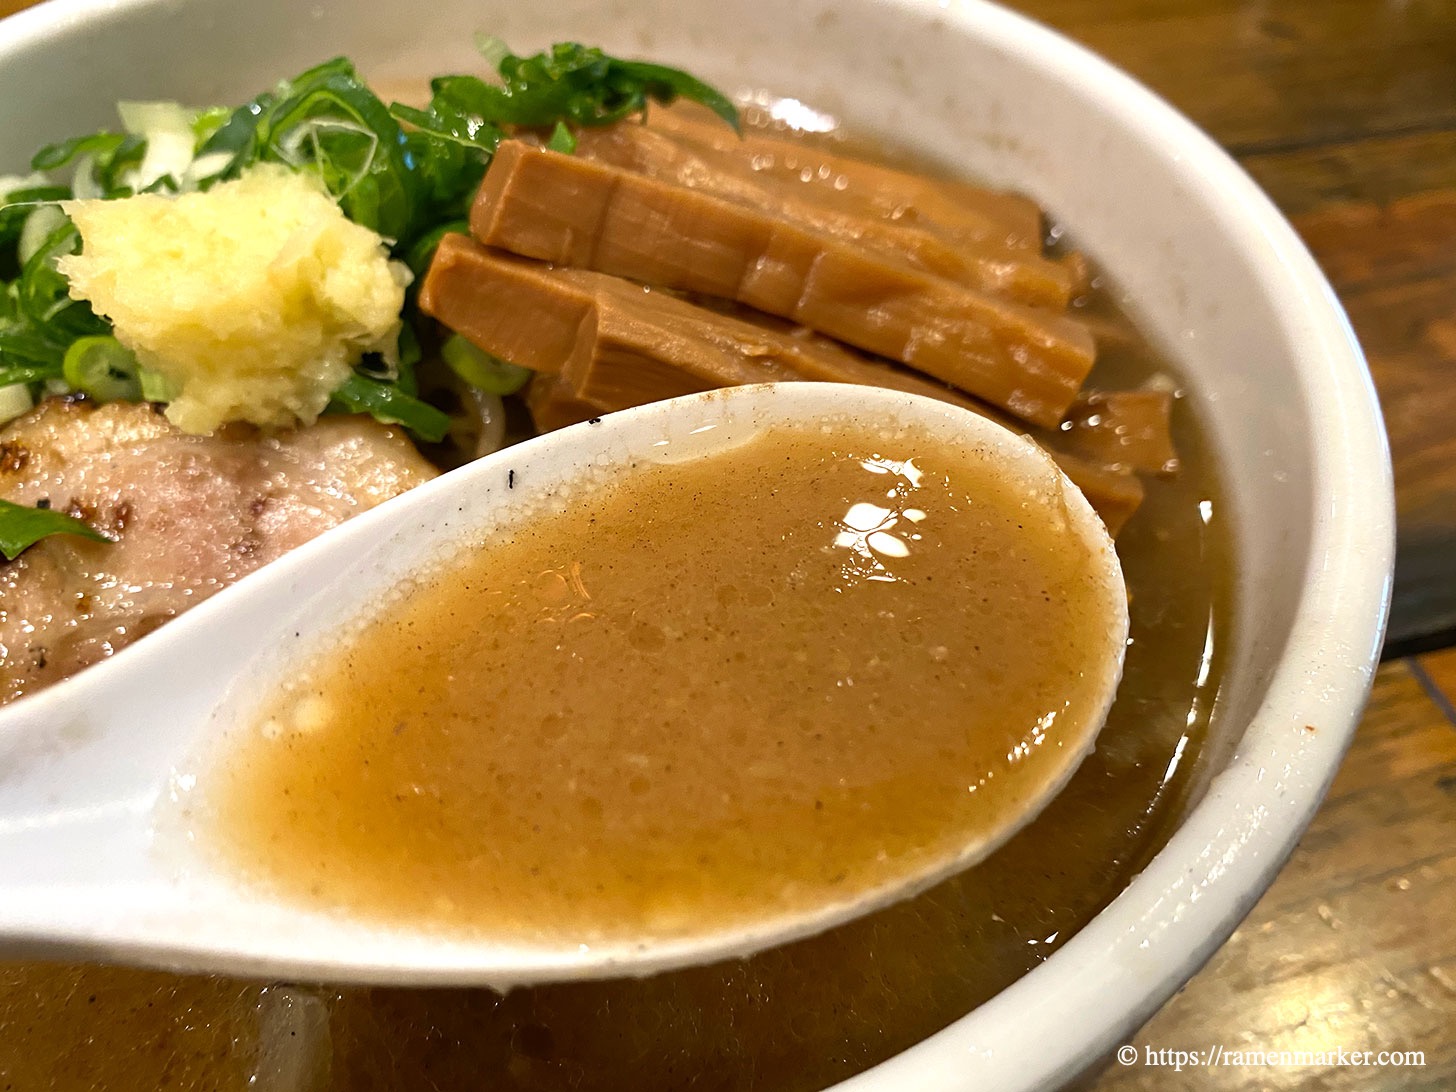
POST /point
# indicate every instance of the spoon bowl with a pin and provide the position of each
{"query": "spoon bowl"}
(98, 865)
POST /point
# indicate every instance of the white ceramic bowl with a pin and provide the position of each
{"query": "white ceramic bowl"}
(1207, 266)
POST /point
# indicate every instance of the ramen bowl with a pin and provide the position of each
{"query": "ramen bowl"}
(1208, 268)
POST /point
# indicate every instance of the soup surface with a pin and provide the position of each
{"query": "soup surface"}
(760, 681)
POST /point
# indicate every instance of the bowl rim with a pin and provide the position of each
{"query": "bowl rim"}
(1189, 898)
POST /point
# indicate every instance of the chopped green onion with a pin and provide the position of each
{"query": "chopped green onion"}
(22, 527)
(103, 368)
(171, 143)
(39, 225)
(387, 403)
(155, 386)
(17, 209)
(481, 370)
(208, 122)
(15, 183)
(562, 139)
(14, 400)
(492, 50)
(43, 294)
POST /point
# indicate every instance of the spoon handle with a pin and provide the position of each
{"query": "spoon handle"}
(82, 764)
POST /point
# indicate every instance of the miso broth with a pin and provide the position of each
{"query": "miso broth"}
(700, 694)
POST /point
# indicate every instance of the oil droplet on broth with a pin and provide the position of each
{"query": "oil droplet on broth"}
(722, 689)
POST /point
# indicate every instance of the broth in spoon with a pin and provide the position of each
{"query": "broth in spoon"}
(718, 691)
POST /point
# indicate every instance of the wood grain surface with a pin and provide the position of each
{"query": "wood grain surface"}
(1345, 111)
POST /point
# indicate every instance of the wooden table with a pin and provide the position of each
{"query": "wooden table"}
(1345, 111)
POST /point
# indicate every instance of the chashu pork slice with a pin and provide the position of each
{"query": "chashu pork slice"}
(189, 514)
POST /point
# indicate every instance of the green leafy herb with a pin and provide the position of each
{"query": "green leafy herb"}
(569, 84)
(54, 156)
(409, 174)
(38, 317)
(572, 83)
(327, 121)
(22, 527)
(26, 357)
(103, 158)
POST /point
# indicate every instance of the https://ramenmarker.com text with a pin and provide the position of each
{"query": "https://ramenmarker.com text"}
(1212, 1056)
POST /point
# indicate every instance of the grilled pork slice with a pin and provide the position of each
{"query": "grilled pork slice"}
(190, 515)
(576, 212)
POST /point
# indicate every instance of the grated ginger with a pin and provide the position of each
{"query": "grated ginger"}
(253, 299)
